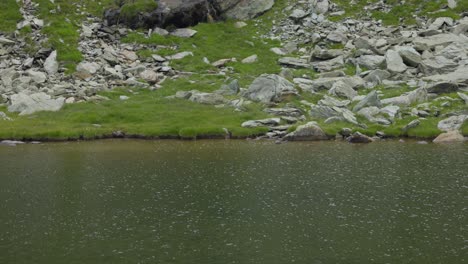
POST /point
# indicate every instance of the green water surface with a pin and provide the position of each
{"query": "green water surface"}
(233, 202)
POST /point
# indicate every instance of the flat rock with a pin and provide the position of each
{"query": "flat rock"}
(308, 132)
(269, 88)
(294, 62)
(51, 65)
(269, 122)
(394, 62)
(184, 33)
(452, 123)
(450, 137)
(29, 104)
(358, 137)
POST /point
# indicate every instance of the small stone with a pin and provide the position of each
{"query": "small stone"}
(124, 97)
(184, 33)
(250, 59)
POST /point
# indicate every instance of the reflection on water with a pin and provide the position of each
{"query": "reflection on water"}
(233, 202)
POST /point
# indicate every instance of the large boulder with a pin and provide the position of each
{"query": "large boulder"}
(183, 13)
(269, 88)
(308, 132)
(450, 137)
(452, 123)
(29, 104)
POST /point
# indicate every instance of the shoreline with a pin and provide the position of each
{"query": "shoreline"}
(202, 137)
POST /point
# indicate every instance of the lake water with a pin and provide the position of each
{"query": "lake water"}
(233, 202)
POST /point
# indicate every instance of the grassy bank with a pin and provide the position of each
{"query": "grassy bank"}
(145, 113)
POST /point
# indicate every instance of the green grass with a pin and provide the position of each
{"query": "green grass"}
(9, 15)
(145, 113)
(133, 7)
(62, 27)
(404, 11)
(216, 41)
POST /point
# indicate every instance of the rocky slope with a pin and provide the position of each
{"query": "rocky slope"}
(364, 76)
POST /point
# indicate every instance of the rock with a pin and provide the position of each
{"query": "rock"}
(328, 65)
(337, 37)
(342, 89)
(158, 58)
(377, 76)
(231, 89)
(464, 97)
(322, 112)
(440, 22)
(308, 132)
(452, 123)
(449, 137)
(160, 31)
(371, 99)
(437, 65)
(10, 143)
(410, 56)
(129, 55)
(411, 125)
(269, 122)
(184, 33)
(357, 137)
(51, 65)
(326, 54)
(298, 14)
(417, 96)
(124, 98)
(250, 59)
(390, 110)
(3, 116)
(443, 87)
(246, 9)
(294, 62)
(452, 4)
(370, 61)
(294, 112)
(150, 76)
(269, 88)
(221, 63)
(240, 24)
(206, 98)
(180, 55)
(37, 77)
(5, 41)
(327, 83)
(458, 76)
(28, 104)
(330, 101)
(394, 62)
(88, 68)
(426, 43)
(320, 6)
(279, 51)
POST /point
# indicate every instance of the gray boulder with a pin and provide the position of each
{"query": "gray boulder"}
(437, 65)
(409, 55)
(464, 97)
(370, 61)
(294, 62)
(328, 65)
(443, 87)
(430, 42)
(371, 99)
(29, 104)
(394, 62)
(308, 132)
(458, 76)
(269, 88)
(452, 123)
(342, 89)
(294, 112)
(51, 65)
(358, 137)
(450, 137)
(184, 33)
(269, 122)
(417, 96)
(37, 77)
(206, 98)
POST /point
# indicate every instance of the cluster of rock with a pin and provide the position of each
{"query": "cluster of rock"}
(431, 59)
(36, 82)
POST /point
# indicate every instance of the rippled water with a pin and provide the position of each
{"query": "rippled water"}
(233, 202)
